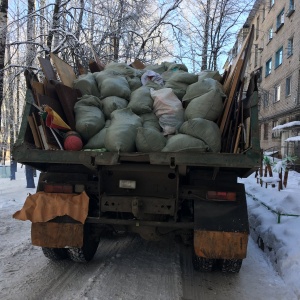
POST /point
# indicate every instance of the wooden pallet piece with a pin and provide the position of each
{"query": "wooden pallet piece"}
(64, 70)
(47, 68)
(54, 103)
(34, 130)
(231, 95)
(67, 97)
(95, 67)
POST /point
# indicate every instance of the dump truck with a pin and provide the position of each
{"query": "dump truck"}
(195, 196)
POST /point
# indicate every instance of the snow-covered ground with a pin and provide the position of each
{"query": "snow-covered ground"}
(280, 241)
(278, 235)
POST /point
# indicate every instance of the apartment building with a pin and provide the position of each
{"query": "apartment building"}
(275, 55)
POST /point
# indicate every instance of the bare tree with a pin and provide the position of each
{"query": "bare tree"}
(3, 32)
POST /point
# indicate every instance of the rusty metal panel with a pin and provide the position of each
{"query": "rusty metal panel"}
(57, 235)
(145, 205)
(151, 181)
(220, 245)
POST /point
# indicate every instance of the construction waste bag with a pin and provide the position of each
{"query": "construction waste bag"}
(149, 140)
(89, 117)
(120, 135)
(168, 108)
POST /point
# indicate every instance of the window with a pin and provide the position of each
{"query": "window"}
(276, 93)
(275, 133)
(280, 20)
(255, 55)
(291, 8)
(266, 129)
(278, 57)
(268, 67)
(264, 13)
(266, 99)
(290, 47)
(270, 34)
(288, 86)
(257, 28)
(272, 3)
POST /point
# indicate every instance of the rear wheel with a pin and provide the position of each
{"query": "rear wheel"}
(89, 248)
(203, 264)
(55, 253)
(231, 265)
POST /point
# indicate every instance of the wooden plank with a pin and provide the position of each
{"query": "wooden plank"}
(47, 69)
(67, 97)
(81, 68)
(36, 120)
(137, 64)
(34, 130)
(64, 70)
(95, 67)
(54, 104)
(237, 139)
(57, 235)
(220, 245)
(236, 80)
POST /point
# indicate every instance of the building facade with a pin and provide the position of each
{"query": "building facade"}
(275, 55)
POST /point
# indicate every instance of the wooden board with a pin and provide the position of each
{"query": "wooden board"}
(137, 64)
(68, 97)
(236, 80)
(220, 245)
(95, 67)
(57, 235)
(34, 130)
(47, 69)
(54, 104)
(64, 70)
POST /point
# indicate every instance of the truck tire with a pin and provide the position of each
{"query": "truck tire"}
(89, 248)
(203, 264)
(231, 265)
(55, 253)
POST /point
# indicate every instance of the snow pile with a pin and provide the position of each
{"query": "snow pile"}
(277, 235)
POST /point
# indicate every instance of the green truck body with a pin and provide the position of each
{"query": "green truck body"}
(153, 194)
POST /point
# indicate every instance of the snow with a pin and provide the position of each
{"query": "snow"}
(293, 139)
(287, 125)
(274, 218)
(267, 206)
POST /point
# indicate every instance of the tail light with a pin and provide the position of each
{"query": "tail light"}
(221, 196)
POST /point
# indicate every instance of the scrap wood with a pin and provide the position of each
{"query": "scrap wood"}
(67, 97)
(95, 67)
(47, 68)
(137, 64)
(64, 70)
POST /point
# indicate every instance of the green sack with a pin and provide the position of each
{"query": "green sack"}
(206, 130)
(208, 106)
(149, 140)
(112, 103)
(183, 142)
(141, 101)
(120, 135)
(87, 85)
(88, 116)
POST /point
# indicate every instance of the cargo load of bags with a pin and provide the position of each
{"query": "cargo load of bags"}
(159, 108)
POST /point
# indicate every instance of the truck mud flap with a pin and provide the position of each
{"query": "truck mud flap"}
(220, 245)
(57, 235)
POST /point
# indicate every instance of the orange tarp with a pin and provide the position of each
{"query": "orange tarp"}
(42, 207)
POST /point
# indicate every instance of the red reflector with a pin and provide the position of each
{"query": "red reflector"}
(221, 196)
(58, 188)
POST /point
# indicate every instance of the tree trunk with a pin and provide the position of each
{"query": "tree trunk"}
(3, 32)
(30, 51)
(55, 23)
(206, 36)
(30, 55)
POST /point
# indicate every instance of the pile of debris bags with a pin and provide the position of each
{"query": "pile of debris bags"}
(160, 108)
